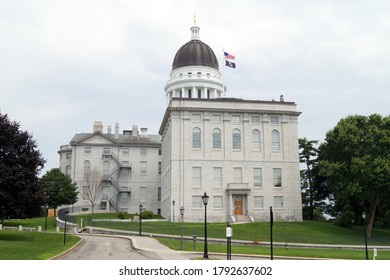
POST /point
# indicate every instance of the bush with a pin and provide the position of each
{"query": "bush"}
(121, 215)
(346, 218)
(146, 215)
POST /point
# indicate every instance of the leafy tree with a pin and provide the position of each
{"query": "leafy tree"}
(59, 189)
(21, 191)
(355, 159)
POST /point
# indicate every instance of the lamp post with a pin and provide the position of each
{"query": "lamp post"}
(140, 218)
(173, 211)
(46, 214)
(182, 218)
(205, 199)
(365, 233)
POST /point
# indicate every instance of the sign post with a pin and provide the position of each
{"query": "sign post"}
(229, 234)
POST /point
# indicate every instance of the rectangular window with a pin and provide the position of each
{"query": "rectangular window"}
(68, 156)
(159, 194)
(143, 167)
(216, 118)
(237, 173)
(257, 177)
(124, 197)
(125, 171)
(278, 202)
(255, 119)
(159, 152)
(87, 150)
(197, 202)
(195, 118)
(277, 176)
(217, 202)
(142, 194)
(159, 167)
(125, 151)
(274, 120)
(217, 177)
(196, 177)
(199, 93)
(189, 94)
(144, 152)
(106, 151)
(236, 119)
(258, 202)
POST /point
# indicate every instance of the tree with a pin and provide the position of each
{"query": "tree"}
(59, 189)
(356, 164)
(92, 187)
(21, 191)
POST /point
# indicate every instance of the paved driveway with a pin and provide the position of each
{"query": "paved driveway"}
(106, 248)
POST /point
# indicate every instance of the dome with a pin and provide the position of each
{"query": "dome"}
(195, 53)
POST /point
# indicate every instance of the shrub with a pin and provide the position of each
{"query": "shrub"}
(146, 215)
(346, 217)
(121, 215)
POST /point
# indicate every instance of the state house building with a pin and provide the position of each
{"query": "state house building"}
(242, 153)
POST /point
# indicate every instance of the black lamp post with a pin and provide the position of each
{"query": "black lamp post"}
(182, 218)
(365, 233)
(205, 199)
(46, 214)
(140, 218)
(173, 211)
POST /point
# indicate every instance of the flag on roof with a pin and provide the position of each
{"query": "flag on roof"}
(229, 56)
(230, 64)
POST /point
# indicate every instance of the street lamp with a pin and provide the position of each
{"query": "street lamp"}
(46, 214)
(182, 219)
(140, 218)
(365, 233)
(205, 199)
(173, 211)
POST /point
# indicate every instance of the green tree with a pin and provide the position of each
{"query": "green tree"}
(21, 191)
(356, 164)
(59, 189)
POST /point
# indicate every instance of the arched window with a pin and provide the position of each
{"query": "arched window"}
(196, 138)
(256, 142)
(67, 171)
(275, 140)
(87, 169)
(216, 138)
(236, 139)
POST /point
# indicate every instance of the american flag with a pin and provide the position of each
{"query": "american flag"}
(229, 56)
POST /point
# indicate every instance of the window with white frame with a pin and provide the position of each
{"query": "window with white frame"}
(196, 177)
(275, 120)
(255, 119)
(125, 151)
(144, 152)
(236, 119)
(196, 138)
(124, 197)
(196, 118)
(237, 175)
(217, 202)
(87, 150)
(256, 142)
(197, 202)
(159, 194)
(87, 169)
(277, 177)
(125, 171)
(142, 194)
(106, 151)
(143, 167)
(216, 118)
(275, 140)
(216, 138)
(106, 169)
(68, 155)
(217, 177)
(258, 202)
(257, 177)
(236, 139)
(278, 202)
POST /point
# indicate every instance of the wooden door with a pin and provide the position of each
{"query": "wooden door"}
(238, 207)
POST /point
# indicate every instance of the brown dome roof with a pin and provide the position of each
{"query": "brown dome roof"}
(195, 53)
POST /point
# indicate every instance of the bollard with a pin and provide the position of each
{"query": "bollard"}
(90, 230)
(39, 228)
(57, 229)
(20, 228)
(1, 226)
(75, 229)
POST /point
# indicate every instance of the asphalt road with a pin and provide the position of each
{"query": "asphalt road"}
(106, 248)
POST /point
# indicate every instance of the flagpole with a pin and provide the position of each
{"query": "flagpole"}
(223, 74)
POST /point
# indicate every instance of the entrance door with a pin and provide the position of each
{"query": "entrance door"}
(238, 207)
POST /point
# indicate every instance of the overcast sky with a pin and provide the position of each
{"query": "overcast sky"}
(65, 64)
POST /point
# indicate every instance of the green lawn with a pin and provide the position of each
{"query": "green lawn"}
(24, 245)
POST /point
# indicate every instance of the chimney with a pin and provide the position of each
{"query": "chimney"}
(109, 129)
(144, 129)
(135, 130)
(117, 131)
(282, 98)
(97, 127)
